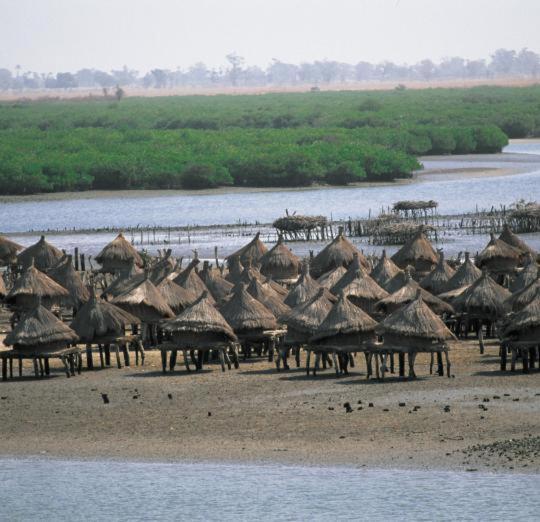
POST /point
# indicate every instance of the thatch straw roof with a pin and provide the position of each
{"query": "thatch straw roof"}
(508, 236)
(42, 255)
(339, 252)
(484, 297)
(8, 250)
(305, 288)
(279, 262)
(268, 298)
(235, 269)
(244, 313)
(124, 282)
(40, 328)
(415, 320)
(306, 317)
(408, 293)
(201, 318)
(450, 295)
(218, 286)
(437, 280)
(497, 252)
(384, 270)
(190, 280)
(119, 250)
(466, 274)
(525, 276)
(64, 274)
(348, 276)
(98, 319)
(145, 302)
(251, 252)
(363, 288)
(177, 297)
(523, 297)
(344, 319)
(329, 279)
(526, 319)
(164, 267)
(399, 280)
(417, 250)
(34, 284)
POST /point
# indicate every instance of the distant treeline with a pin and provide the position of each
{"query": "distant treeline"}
(502, 63)
(286, 140)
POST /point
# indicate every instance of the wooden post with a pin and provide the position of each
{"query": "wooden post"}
(76, 258)
(504, 352)
(164, 360)
(440, 368)
(117, 352)
(89, 360)
(401, 361)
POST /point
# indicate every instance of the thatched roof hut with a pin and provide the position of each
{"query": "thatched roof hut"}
(437, 280)
(218, 286)
(525, 324)
(42, 255)
(98, 321)
(245, 314)
(408, 293)
(523, 297)
(484, 299)
(329, 279)
(525, 276)
(33, 286)
(8, 251)
(162, 268)
(280, 263)
(508, 236)
(466, 274)
(177, 297)
(305, 288)
(348, 276)
(64, 274)
(450, 295)
(417, 252)
(345, 325)
(399, 280)
(124, 281)
(339, 252)
(384, 270)
(498, 257)
(118, 255)
(268, 298)
(39, 330)
(200, 325)
(302, 321)
(145, 302)
(364, 292)
(190, 280)
(235, 269)
(252, 252)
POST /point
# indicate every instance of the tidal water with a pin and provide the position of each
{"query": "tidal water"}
(35, 489)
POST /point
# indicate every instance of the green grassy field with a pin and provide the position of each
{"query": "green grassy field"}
(252, 140)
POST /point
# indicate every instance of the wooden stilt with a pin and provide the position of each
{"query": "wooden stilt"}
(317, 362)
(117, 352)
(101, 359)
(431, 362)
(504, 352)
(164, 361)
(481, 338)
(20, 366)
(107, 350)
(297, 350)
(36, 368)
(172, 360)
(4, 369)
(126, 354)
(401, 358)
(222, 359)
(71, 359)
(334, 359)
(11, 367)
(47, 368)
(412, 357)
(89, 360)
(440, 368)
(447, 357)
(308, 359)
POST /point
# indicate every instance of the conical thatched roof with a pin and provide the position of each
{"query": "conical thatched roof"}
(339, 252)
(279, 290)
(98, 319)
(526, 319)
(484, 297)
(280, 263)
(415, 320)
(119, 250)
(190, 280)
(268, 298)
(305, 288)
(201, 319)
(344, 319)
(450, 295)
(177, 297)
(235, 269)
(162, 268)
(498, 253)
(515, 241)
(329, 279)
(244, 313)
(145, 302)
(218, 286)
(65, 275)
(33, 285)
(408, 293)
(42, 255)
(437, 280)
(466, 274)
(398, 281)
(252, 252)
(8, 250)
(525, 276)
(39, 328)
(348, 276)
(363, 288)
(384, 270)
(417, 251)
(123, 283)
(523, 297)
(306, 317)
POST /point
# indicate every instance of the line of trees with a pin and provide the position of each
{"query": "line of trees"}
(502, 63)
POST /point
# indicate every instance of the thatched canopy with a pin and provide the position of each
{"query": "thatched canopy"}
(8, 250)
(450, 295)
(200, 324)
(305, 288)
(252, 252)
(339, 252)
(40, 329)
(525, 276)
(64, 274)
(280, 263)
(42, 255)
(98, 319)
(344, 323)
(384, 270)
(163, 267)
(33, 286)
(526, 323)
(124, 282)
(508, 236)
(145, 302)
(118, 255)
(399, 280)
(437, 280)
(329, 279)
(190, 280)
(363, 291)
(466, 274)
(498, 256)
(348, 276)
(484, 298)
(245, 314)
(523, 297)
(177, 297)
(218, 286)
(268, 298)
(235, 269)
(415, 320)
(417, 252)
(408, 293)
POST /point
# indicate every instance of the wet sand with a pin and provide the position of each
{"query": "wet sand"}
(255, 414)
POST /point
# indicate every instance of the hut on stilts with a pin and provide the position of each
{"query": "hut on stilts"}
(42, 255)
(520, 299)
(252, 252)
(499, 258)
(466, 274)
(525, 276)
(190, 280)
(268, 298)
(305, 288)
(8, 251)
(515, 241)
(437, 280)
(419, 253)
(329, 279)
(65, 275)
(218, 286)
(118, 256)
(280, 264)
(384, 270)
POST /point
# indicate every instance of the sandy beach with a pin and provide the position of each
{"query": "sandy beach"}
(255, 414)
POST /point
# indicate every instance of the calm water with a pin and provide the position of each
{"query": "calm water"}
(33, 489)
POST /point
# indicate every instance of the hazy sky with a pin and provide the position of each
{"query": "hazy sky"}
(66, 35)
